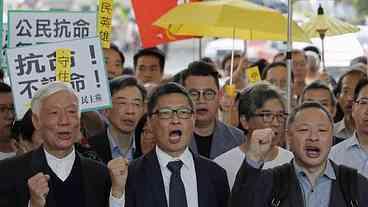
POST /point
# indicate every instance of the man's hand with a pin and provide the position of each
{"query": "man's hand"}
(118, 169)
(38, 188)
(260, 144)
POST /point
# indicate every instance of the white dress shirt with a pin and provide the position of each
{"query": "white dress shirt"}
(63, 167)
(187, 173)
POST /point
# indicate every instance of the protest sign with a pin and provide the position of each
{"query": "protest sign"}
(105, 8)
(36, 27)
(33, 66)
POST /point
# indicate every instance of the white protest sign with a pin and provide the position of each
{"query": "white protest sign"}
(33, 66)
(37, 27)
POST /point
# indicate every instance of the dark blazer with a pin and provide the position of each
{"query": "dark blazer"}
(15, 172)
(145, 185)
(253, 187)
(101, 145)
(224, 139)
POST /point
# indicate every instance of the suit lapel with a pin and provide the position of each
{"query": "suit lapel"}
(154, 177)
(203, 183)
(39, 164)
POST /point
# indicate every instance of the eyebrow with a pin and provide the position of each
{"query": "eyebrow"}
(124, 98)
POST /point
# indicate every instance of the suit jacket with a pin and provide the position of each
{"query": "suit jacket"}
(16, 171)
(224, 139)
(101, 145)
(253, 187)
(145, 185)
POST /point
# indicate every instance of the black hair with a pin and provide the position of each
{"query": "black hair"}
(5, 88)
(166, 89)
(313, 49)
(338, 88)
(2, 74)
(319, 84)
(23, 127)
(116, 49)
(122, 82)
(361, 84)
(200, 68)
(153, 51)
(138, 136)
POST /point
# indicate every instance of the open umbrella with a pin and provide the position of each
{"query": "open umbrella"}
(229, 18)
(323, 25)
(235, 19)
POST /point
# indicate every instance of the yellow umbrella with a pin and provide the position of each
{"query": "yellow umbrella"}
(322, 26)
(229, 18)
(236, 19)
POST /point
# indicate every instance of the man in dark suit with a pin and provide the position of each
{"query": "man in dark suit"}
(55, 175)
(171, 175)
(117, 140)
(310, 180)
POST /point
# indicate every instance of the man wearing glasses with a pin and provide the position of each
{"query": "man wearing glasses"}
(353, 152)
(260, 106)
(211, 137)
(6, 121)
(171, 175)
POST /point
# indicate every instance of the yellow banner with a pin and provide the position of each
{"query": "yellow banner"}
(253, 75)
(105, 22)
(63, 64)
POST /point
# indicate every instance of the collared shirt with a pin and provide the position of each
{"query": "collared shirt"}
(116, 151)
(187, 172)
(341, 131)
(63, 167)
(351, 154)
(318, 195)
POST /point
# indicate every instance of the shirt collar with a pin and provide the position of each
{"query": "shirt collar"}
(329, 171)
(353, 141)
(164, 158)
(113, 144)
(340, 126)
(61, 166)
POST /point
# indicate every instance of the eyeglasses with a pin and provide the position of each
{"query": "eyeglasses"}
(207, 94)
(168, 113)
(362, 101)
(268, 117)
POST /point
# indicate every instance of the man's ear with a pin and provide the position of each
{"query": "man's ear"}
(36, 121)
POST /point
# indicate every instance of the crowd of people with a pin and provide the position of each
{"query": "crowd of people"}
(183, 141)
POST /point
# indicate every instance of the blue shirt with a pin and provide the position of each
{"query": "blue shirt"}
(351, 154)
(116, 151)
(318, 195)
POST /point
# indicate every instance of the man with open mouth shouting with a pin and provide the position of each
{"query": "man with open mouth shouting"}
(171, 175)
(310, 180)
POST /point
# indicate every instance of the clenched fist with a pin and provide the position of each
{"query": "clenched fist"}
(118, 169)
(38, 188)
(260, 144)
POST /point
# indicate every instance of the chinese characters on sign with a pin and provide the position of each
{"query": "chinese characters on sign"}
(31, 27)
(63, 64)
(81, 65)
(105, 21)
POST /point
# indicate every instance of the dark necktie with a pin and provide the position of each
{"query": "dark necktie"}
(177, 196)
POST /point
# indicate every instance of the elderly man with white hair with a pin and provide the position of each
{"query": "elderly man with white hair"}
(54, 174)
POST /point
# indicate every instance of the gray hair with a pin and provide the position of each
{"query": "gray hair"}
(47, 91)
(256, 96)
